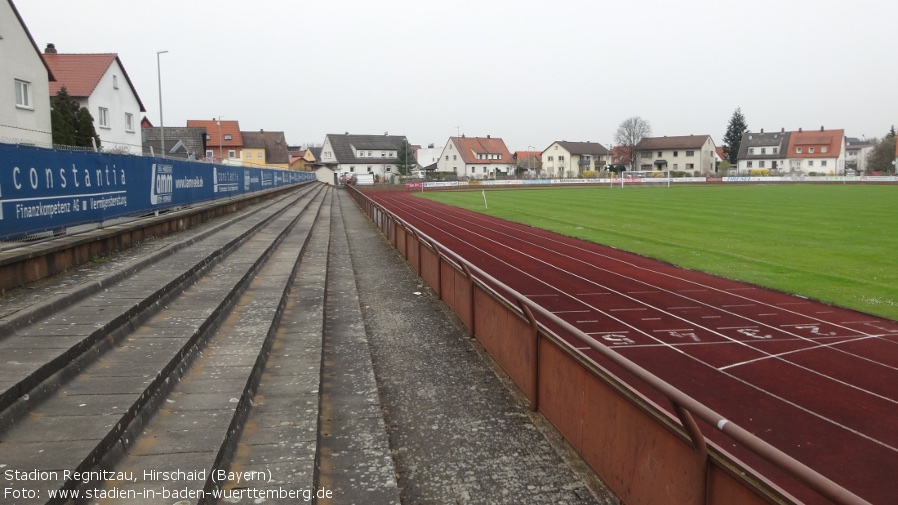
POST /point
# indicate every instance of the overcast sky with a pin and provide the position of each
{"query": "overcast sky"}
(531, 72)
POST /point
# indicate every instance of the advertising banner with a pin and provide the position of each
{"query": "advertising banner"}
(45, 189)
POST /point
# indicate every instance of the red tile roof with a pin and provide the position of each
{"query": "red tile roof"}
(470, 147)
(217, 135)
(526, 155)
(817, 139)
(80, 73)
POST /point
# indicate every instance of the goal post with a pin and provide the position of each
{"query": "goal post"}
(645, 178)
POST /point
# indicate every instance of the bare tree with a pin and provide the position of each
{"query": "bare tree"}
(630, 132)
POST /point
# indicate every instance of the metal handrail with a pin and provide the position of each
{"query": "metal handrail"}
(810, 477)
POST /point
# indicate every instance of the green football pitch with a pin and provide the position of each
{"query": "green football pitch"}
(834, 243)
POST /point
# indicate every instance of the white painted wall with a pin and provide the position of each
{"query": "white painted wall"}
(21, 61)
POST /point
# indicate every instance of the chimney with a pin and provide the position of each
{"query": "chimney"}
(487, 136)
(799, 130)
(821, 128)
(762, 131)
(783, 130)
(51, 48)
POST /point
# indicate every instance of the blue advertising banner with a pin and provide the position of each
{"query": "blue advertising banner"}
(45, 189)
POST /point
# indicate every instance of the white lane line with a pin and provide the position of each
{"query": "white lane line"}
(632, 279)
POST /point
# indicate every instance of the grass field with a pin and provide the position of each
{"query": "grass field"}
(834, 243)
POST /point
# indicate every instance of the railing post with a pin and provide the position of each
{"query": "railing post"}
(470, 277)
(534, 328)
(698, 443)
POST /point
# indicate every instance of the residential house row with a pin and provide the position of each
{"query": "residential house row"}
(807, 152)
(100, 83)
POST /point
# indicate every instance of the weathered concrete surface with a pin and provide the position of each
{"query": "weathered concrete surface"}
(457, 433)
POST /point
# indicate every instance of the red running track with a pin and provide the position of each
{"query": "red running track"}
(818, 382)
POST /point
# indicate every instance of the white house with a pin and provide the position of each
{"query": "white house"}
(100, 84)
(819, 152)
(362, 154)
(760, 151)
(856, 152)
(25, 88)
(571, 159)
(685, 153)
(476, 157)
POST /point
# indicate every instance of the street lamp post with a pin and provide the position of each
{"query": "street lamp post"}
(161, 122)
(220, 148)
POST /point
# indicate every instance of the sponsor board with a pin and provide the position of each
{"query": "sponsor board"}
(46, 189)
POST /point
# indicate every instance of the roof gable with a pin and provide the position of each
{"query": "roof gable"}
(579, 148)
(218, 132)
(681, 142)
(470, 147)
(37, 50)
(81, 73)
(274, 144)
(817, 140)
(762, 140)
(346, 146)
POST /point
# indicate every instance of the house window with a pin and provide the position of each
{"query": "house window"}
(645, 154)
(810, 150)
(232, 153)
(23, 94)
(104, 117)
(249, 155)
(659, 154)
(209, 153)
(761, 164)
(822, 163)
(383, 155)
(115, 82)
(208, 137)
(776, 150)
(352, 169)
(454, 157)
(690, 166)
(763, 150)
(750, 164)
(751, 150)
(798, 150)
(561, 158)
(129, 122)
(676, 153)
(259, 155)
(676, 167)
(810, 163)
(389, 168)
(824, 149)
(227, 137)
(447, 157)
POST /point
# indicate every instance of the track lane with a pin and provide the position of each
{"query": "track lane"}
(684, 325)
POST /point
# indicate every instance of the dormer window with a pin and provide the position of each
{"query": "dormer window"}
(227, 137)
(810, 150)
(798, 150)
(824, 149)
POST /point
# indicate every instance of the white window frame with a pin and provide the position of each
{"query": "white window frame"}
(129, 122)
(23, 94)
(209, 153)
(232, 153)
(103, 117)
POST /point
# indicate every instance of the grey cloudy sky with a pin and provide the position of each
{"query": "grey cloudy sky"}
(531, 72)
